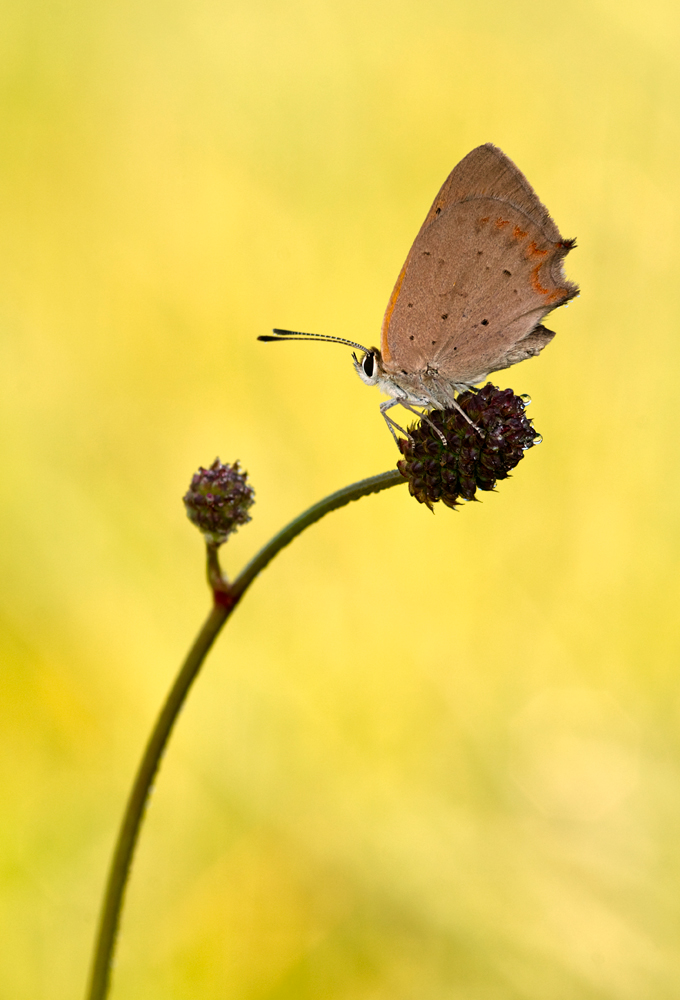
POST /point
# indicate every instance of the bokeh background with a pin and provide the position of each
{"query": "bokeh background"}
(431, 756)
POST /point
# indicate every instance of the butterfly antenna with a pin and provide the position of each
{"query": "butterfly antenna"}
(282, 335)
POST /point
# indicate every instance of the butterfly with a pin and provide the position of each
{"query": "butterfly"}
(484, 271)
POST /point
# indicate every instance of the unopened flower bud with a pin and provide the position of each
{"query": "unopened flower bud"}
(218, 501)
(478, 451)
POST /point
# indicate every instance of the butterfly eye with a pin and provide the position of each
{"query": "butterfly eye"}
(368, 369)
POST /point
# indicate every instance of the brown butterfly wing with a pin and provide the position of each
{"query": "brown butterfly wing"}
(484, 270)
(488, 172)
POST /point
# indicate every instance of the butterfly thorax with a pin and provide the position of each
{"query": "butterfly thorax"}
(424, 387)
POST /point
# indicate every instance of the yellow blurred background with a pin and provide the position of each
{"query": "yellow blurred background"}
(431, 756)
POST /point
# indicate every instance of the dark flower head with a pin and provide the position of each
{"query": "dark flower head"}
(218, 501)
(474, 457)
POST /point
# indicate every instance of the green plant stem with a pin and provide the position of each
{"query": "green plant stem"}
(226, 597)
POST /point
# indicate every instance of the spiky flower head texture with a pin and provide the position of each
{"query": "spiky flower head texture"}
(218, 500)
(478, 451)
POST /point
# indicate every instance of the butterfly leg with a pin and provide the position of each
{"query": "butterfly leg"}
(472, 424)
(447, 400)
(424, 417)
(392, 424)
(407, 406)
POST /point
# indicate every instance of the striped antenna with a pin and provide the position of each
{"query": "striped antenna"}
(282, 335)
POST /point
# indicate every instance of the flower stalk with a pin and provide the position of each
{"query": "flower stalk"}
(225, 597)
(446, 457)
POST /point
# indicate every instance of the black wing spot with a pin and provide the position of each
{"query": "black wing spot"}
(411, 337)
(515, 291)
(434, 342)
(445, 315)
(455, 348)
(410, 305)
(479, 253)
(485, 322)
(403, 372)
(505, 271)
(437, 211)
(426, 253)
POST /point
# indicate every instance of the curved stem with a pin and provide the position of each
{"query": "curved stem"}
(344, 496)
(226, 597)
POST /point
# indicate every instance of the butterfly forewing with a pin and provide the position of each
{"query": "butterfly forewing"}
(486, 172)
(483, 271)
